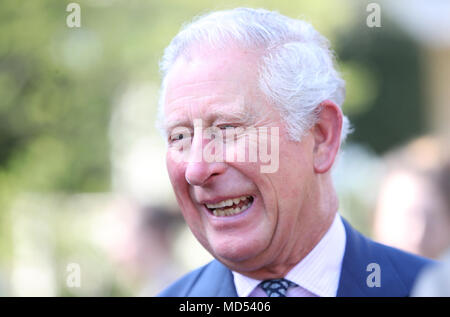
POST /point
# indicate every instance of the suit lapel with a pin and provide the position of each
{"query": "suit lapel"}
(215, 281)
(227, 289)
(359, 253)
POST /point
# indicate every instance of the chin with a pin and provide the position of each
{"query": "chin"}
(236, 251)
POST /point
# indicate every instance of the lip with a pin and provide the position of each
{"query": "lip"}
(216, 220)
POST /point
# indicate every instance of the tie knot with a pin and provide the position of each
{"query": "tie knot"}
(277, 287)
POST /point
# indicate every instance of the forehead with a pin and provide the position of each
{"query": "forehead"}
(212, 84)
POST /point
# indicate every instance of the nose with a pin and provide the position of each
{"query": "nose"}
(198, 170)
(199, 173)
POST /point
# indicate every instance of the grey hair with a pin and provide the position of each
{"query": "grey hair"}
(297, 69)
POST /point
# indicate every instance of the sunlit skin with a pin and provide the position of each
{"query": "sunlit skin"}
(292, 208)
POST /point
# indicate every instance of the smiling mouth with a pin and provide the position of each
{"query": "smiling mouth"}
(230, 207)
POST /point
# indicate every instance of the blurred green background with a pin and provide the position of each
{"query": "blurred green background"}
(82, 175)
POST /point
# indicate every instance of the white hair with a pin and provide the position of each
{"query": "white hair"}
(296, 71)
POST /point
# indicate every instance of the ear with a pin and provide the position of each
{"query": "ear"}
(327, 136)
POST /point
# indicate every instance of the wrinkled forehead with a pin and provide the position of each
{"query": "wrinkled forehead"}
(212, 84)
(236, 70)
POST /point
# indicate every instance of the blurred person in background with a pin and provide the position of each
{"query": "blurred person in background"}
(413, 208)
(141, 245)
(413, 211)
(435, 281)
(155, 240)
(278, 233)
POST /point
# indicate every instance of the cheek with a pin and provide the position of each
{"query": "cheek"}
(180, 186)
(176, 171)
(295, 175)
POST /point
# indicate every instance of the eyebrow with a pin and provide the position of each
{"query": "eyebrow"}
(236, 116)
(173, 124)
(241, 117)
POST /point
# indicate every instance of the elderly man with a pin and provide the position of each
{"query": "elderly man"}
(236, 83)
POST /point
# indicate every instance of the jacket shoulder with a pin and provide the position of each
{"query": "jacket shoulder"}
(397, 269)
(407, 265)
(213, 279)
(183, 286)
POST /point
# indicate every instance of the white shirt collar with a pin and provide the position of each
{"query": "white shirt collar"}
(318, 272)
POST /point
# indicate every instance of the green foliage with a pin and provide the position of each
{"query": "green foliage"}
(388, 70)
(58, 86)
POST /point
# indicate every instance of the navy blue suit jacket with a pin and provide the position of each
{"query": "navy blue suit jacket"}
(398, 270)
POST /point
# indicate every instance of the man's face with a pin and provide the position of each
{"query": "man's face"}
(276, 209)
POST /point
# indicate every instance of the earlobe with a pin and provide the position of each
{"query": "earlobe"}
(327, 136)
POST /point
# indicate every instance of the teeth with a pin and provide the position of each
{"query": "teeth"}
(227, 203)
(230, 211)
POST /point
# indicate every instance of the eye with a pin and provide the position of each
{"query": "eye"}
(179, 134)
(177, 137)
(226, 126)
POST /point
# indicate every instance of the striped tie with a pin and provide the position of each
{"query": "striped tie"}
(277, 287)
